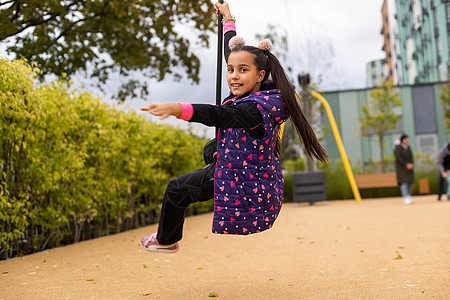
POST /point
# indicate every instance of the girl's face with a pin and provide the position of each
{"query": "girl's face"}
(243, 76)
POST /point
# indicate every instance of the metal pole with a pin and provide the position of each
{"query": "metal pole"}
(219, 60)
(304, 80)
(337, 136)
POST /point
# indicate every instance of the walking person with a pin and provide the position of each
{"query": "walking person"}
(244, 173)
(442, 176)
(404, 167)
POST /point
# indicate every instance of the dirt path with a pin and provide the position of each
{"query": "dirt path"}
(340, 250)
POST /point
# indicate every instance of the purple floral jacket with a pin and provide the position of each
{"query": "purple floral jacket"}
(248, 180)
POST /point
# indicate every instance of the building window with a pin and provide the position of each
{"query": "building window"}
(417, 12)
(439, 47)
(448, 41)
(448, 12)
(435, 18)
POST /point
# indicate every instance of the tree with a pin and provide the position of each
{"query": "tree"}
(380, 114)
(104, 37)
(445, 101)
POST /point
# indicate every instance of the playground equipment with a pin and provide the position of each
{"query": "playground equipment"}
(337, 136)
(340, 145)
(219, 60)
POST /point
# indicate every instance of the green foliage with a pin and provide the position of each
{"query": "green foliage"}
(294, 165)
(105, 37)
(445, 101)
(289, 166)
(371, 166)
(337, 184)
(380, 114)
(73, 168)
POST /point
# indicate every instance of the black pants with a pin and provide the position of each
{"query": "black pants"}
(442, 186)
(180, 193)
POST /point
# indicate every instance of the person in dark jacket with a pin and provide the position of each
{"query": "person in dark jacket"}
(442, 178)
(446, 170)
(404, 167)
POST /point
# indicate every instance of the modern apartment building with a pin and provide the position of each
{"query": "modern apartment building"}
(416, 40)
(376, 71)
(422, 119)
(416, 35)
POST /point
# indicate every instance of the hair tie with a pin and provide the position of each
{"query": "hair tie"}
(235, 42)
(266, 52)
(266, 46)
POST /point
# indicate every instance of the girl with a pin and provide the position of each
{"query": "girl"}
(243, 174)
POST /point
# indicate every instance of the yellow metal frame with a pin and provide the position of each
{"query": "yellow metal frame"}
(337, 136)
(340, 145)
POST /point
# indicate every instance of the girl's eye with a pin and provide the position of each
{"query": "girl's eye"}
(230, 70)
(243, 70)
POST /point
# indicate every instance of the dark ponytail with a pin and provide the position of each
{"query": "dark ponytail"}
(264, 60)
(295, 113)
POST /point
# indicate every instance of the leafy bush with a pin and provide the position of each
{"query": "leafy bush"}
(74, 168)
(445, 101)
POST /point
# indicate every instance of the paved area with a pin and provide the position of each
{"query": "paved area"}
(337, 250)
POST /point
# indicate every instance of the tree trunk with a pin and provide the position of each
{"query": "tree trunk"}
(98, 229)
(7, 242)
(106, 224)
(380, 140)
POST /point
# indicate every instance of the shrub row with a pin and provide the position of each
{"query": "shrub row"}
(73, 168)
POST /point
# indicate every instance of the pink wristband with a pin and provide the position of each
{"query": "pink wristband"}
(187, 110)
(228, 26)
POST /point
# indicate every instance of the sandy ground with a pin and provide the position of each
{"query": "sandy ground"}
(337, 250)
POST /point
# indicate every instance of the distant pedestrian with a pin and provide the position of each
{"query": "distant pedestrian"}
(404, 167)
(442, 177)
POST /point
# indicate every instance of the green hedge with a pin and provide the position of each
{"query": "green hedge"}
(73, 168)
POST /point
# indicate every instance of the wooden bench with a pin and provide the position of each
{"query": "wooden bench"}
(378, 180)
